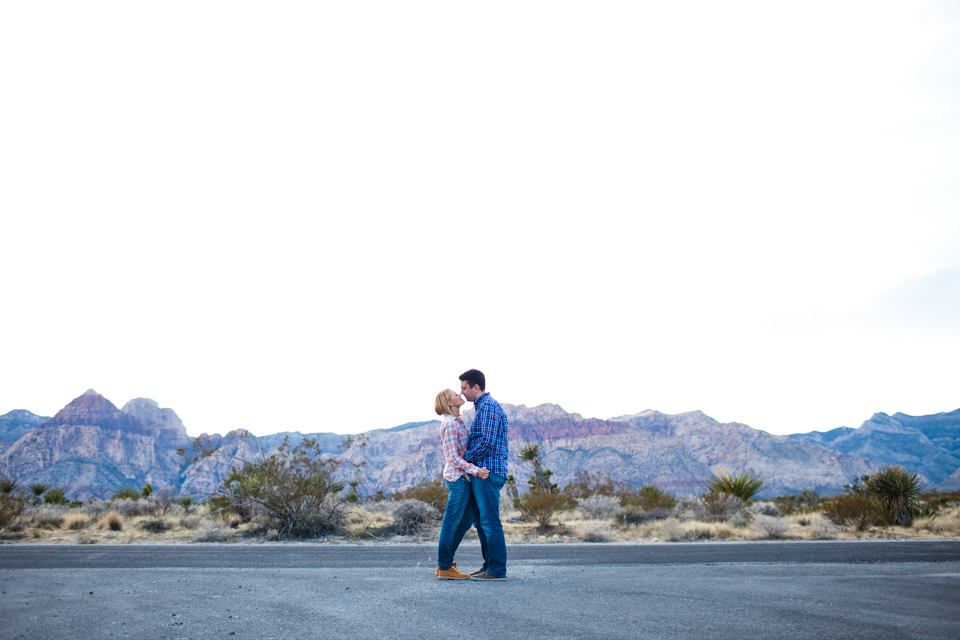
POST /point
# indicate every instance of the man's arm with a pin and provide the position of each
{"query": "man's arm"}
(482, 432)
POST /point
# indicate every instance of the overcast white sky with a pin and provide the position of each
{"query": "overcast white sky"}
(314, 216)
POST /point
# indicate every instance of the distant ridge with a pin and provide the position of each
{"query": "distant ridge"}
(90, 447)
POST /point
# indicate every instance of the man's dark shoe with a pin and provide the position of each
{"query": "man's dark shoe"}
(474, 573)
(485, 576)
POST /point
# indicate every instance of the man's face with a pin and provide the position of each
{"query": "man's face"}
(470, 393)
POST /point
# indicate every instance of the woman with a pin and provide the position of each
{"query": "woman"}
(456, 471)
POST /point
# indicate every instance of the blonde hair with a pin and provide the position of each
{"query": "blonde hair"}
(442, 404)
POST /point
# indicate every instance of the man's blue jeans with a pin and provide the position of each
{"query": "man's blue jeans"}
(457, 520)
(486, 495)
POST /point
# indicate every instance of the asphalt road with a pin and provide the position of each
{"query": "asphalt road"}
(710, 590)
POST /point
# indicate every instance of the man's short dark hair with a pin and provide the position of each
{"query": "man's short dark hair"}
(474, 378)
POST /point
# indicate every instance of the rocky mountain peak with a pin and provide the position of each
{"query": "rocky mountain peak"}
(90, 392)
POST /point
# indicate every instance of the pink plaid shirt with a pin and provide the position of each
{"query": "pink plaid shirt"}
(453, 438)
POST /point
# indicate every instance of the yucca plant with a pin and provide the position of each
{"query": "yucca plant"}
(898, 493)
(7, 485)
(54, 496)
(38, 489)
(744, 485)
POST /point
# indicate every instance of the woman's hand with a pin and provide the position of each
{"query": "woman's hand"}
(483, 473)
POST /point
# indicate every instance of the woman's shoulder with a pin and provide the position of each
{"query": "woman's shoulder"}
(447, 419)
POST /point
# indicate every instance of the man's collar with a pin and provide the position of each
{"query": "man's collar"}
(479, 400)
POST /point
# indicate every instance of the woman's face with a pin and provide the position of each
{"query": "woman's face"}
(456, 400)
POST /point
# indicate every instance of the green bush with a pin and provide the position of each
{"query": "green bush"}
(146, 491)
(743, 485)
(296, 485)
(649, 497)
(540, 506)
(852, 510)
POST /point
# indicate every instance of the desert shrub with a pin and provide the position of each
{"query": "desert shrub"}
(154, 525)
(85, 537)
(190, 522)
(770, 526)
(55, 496)
(629, 516)
(146, 491)
(95, 508)
(75, 504)
(411, 516)
(126, 493)
(48, 521)
(77, 521)
(586, 484)
(897, 493)
(540, 506)
(852, 510)
(695, 534)
(648, 497)
(766, 509)
(598, 507)
(743, 485)
(821, 528)
(433, 492)
(595, 534)
(163, 500)
(295, 485)
(940, 499)
(214, 531)
(115, 522)
(717, 507)
(740, 519)
(670, 530)
(131, 508)
(10, 508)
(186, 502)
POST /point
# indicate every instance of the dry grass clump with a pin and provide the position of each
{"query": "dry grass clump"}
(113, 521)
(770, 527)
(946, 524)
(411, 517)
(594, 533)
(214, 531)
(76, 522)
(820, 528)
(190, 522)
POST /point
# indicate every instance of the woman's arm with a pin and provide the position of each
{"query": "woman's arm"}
(448, 439)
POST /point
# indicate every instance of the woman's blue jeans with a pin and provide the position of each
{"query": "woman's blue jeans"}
(457, 520)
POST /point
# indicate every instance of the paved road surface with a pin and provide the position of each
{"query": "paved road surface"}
(711, 590)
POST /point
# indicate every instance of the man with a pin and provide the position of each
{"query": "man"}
(488, 448)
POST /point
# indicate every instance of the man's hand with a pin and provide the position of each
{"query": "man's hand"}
(483, 473)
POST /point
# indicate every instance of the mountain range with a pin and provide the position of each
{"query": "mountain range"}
(92, 448)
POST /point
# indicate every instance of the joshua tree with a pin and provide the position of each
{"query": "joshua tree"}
(540, 480)
(512, 486)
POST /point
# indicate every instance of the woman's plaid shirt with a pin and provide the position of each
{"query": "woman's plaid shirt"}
(453, 438)
(488, 436)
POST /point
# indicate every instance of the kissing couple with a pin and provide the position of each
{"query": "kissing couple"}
(475, 470)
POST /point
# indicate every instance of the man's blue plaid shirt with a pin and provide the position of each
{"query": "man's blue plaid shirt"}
(487, 446)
